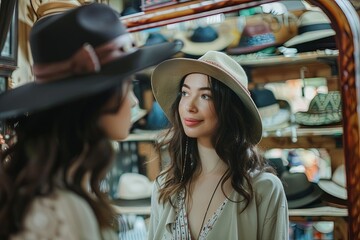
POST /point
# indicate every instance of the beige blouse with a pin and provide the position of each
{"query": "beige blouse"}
(63, 215)
(181, 228)
(266, 216)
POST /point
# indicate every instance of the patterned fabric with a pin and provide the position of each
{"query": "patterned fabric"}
(180, 227)
(62, 215)
(324, 108)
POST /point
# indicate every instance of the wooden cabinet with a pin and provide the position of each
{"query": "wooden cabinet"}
(342, 72)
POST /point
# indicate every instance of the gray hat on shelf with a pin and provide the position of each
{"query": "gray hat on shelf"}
(324, 109)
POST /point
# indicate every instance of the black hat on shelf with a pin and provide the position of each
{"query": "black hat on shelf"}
(299, 191)
(275, 113)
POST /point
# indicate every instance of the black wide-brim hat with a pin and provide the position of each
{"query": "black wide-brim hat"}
(299, 191)
(78, 53)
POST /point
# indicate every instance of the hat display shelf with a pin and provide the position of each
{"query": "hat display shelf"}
(341, 68)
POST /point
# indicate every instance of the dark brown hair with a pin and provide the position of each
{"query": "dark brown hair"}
(62, 144)
(230, 141)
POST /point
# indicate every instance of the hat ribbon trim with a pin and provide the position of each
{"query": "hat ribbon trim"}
(269, 111)
(85, 60)
(257, 40)
(314, 27)
(215, 64)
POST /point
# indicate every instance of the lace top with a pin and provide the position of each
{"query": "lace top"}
(180, 227)
(62, 215)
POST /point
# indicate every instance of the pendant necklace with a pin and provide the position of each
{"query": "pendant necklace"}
(207, 209)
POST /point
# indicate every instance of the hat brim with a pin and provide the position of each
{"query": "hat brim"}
(167, 76)
(249, 49)
(309, 36)
(317, 119)
(34, 96)
(333, 189)
(308, 199)
(279, 120)
(200, 48)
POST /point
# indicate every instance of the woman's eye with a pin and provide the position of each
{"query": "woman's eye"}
(184, 93)
(206, 97)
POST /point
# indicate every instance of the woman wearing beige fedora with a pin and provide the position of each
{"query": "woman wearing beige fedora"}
(216, 186)
(81, 98)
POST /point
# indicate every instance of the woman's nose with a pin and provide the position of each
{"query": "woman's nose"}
(190, 106)
(134, 100)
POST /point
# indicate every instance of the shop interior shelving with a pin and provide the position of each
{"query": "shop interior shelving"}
(342, 71)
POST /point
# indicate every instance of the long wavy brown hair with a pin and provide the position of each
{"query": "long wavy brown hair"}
(62, 144)
(230, 141)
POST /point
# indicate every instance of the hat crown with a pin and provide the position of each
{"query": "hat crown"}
(204, 34)
(326, 103)
(313, 17)
(155, 38)
(263, 97)
(134, 186)
(339, 176)
(296, 184)
(52, 40)
(226, 64)
(256, 34)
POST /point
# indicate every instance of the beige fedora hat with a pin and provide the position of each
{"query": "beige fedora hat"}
(336, 186)
(313, 25)
(167, 76)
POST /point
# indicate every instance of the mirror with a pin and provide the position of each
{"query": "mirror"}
(343, 62)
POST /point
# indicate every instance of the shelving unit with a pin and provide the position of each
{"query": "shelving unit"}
(342, 71)
(318, 64)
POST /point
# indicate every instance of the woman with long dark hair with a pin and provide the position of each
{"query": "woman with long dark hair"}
(63, 121)
(216, 185)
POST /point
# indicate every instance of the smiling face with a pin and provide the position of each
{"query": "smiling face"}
(196, 108)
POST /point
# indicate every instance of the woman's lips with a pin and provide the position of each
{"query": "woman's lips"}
(191, 122)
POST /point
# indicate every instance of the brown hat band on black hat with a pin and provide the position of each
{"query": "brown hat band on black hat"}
(85, 60)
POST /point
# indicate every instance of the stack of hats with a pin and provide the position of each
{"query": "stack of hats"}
(262, 30)
(335, 187)
(314, 33)
(275, 113)
(324, 109)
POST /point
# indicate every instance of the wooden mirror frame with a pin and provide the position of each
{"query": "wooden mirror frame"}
(346, 23)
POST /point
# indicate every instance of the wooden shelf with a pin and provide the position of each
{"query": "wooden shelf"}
(325, 211)
(183, 12)
(132, 210)
(295, 130)
(254, 60)
(143, 136)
